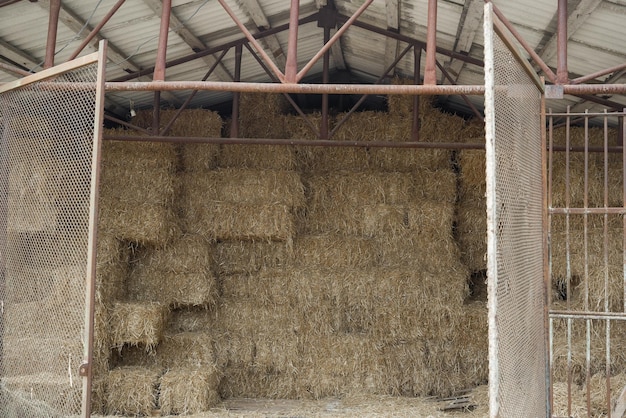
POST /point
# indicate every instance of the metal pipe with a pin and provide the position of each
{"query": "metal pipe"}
(293, 88)
(601, 316)
(192, 95)
(253, 41)
(430, 73)
(159, 68)
(291, 67)
(325, 80)
(330, 43)
(594, 89)
(95, 30)
(588, 211)
(53, 24)
(156, 112)
(417, 66)
(234, 124)
(561, 40)
(306, 142)
(584, 79)
(128, 125)
(536, 58)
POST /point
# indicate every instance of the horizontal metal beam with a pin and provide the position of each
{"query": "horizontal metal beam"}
(407, 89)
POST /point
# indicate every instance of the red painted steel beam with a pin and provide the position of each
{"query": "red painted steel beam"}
(159, 68)
(53, 24)
(234, 124)
(597, 74)
(562, 75)
(291, 67)
(325, 80)
(417, 65)
(430, 72)
(95, 30)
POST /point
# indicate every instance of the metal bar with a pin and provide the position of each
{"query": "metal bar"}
(253, 41)
(14, 69)
(600, 100)
(325, 80)
(586, 262)
(308, 142)
(159, 68)
(587, 315)
(623, 130)
(90, 283)
(291, 67)
(417, 66)
(606, 268)
(156, 112)
(597, 74)
(234, 124)
(96, 29)
(295, 88)
(545, 221)
(362, 99)
(467, 101)
(590, 114)
(210, 51)
(430, 73)
(551, 76)
(578, 89)
(562, 74)
(53, 24)
(128, 125)
(582, 149)
(588, 211)
(167, 127)
(332, 40)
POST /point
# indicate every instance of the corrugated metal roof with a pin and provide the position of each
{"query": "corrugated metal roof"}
(595, 44)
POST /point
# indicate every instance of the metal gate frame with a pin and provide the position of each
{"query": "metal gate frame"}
(515, 169)
(48, 79)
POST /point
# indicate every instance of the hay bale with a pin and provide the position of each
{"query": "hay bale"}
(43, 394)
(37, 317)
(188, 391)
(113, 257)
(336, 251)
(132, 391)
(137, 191)
(472, 235)
(435, 185)
(137, 324)
(241, 382)
(178, 274)
(99, 394)
(26, 355)
(402, 104)
(259, 157)
(201, 123)
(598, 390)
(237, 257)
(186, 350)
(472, 172)
(190, 319)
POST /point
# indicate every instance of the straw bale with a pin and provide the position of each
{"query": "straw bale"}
(31, 195)
(186, 350)
(352, 188)
(251, 187)
(236, 257)
(113, 256)
(229, 221)
(241, 382)
(402, 104)
(26, 355)
(595, 187)
(598, 391)
(132, 391)
(37, 317)
(45, 394)
(335, 251)
(369, 220)
(259, 157)
(196, 122)
(435, 185)
(472, 174)
(99, 395)
(472, 235)
(178, 274)
(577, 136)
(190, 319)
(342, 364)
(257, 109)
(137, 323)
(188, 391)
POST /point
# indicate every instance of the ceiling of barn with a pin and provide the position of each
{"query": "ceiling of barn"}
(362, 54)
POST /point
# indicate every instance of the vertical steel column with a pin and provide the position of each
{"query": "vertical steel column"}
(159, 67)
(291, 67)
(234, 124)
(53, 24)
(325, 79)
(561, 38)
(430, 72)
(417, 66)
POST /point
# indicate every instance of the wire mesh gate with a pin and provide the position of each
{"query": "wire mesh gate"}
(517, 314)
(49, 129)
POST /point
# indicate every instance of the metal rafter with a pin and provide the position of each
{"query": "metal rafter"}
(255, 12)
(178, 27)
(76, 23)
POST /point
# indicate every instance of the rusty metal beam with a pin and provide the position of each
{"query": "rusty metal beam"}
(325, 80)
(96, 29)
(291, 67)
(430, 72)
(53, 24)
(293, 88)
(417, 65)
(597, 74)
(159, 67)
(234, 124)
(562, 75)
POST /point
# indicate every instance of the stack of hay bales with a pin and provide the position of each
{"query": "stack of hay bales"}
(472, 208)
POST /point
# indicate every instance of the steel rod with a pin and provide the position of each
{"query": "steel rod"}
(597, 74)
(417, 65)
(53, 24)
(576, 89)
(234, 124)
(588, 211)
(159, 67)
(325, 80)
(96, 29)
(587, 315)
(307, 142)
(430, 72)
(562, 75)
(291, 67)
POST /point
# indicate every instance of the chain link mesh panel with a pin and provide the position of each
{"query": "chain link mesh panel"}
(515, 207)
(46, 145)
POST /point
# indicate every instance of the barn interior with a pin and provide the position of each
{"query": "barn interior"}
(291, 209)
